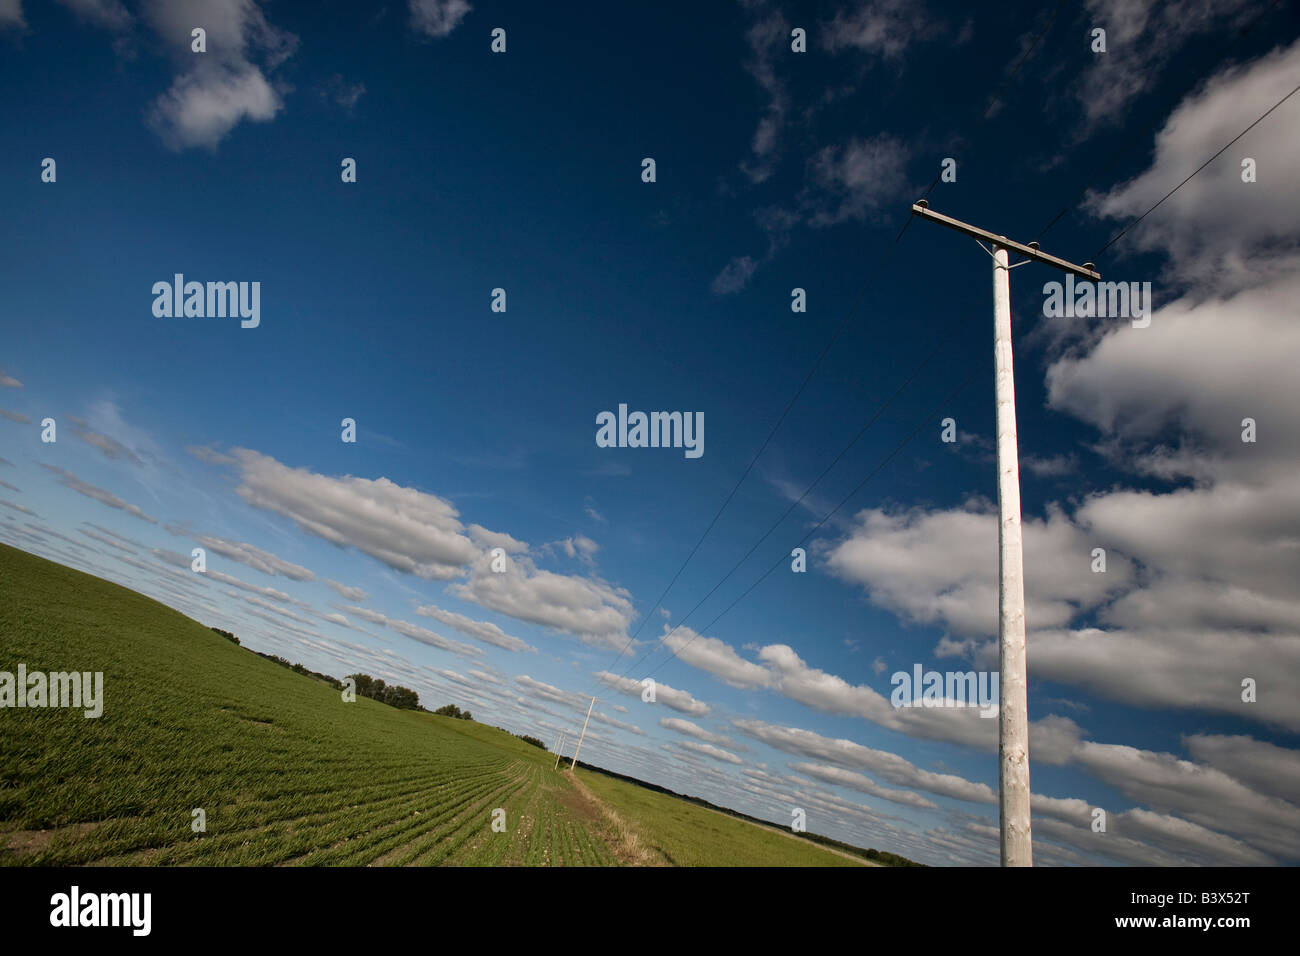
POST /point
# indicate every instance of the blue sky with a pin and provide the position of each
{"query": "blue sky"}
(775, 170)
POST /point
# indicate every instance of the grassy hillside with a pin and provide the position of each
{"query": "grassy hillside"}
(286, 772)
(680, 833)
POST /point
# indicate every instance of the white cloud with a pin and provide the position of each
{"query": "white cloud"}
(406, 529)
(1174, 668)
(1136, 837)
(940, 566)
(224, 86)
(579, 546)
(1051, 466)
(708, 750)
(200, 108)
(487, 540)
(426, 636)
(374, 617)
(108, 445)
(11, 14)
(485, 631)
(574, 701)
(883, 28)
(1213, 603)
(1141, 38)
(69, 480)
(695, 730)
(784, 672)
(1203, 795)
(734, 276)
(856, 179)
(766, 37)
(343, 93)
(266, 605)
(222, 578)
(864, 784)
(1218, 229)
(255, 557)
(347, 591)
(588, 608)
(438, 18)
(1216, 601)
(678, 700)
(716, 657)
(1260, 765)
(108, 539)
(846, 753)
(1190, 840)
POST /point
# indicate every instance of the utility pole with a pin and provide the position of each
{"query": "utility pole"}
(584, 734)
(559, 751)
(1013, 715)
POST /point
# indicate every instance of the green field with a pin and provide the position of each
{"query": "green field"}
(286, 772)
(679, 833)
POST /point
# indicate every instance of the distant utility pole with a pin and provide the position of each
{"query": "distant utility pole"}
(1013, 716)
(559, 751)
(584, 734)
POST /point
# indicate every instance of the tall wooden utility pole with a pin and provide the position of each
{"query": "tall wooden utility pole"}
(583, 734)
(559, 751)
(1013, 714)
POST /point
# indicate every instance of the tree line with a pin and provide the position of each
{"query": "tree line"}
(394, 695)
(451, 710)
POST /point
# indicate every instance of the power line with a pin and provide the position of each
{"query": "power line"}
(983, 117)
(783, 558)
(807, 491)
(962, 138)
(762, 448)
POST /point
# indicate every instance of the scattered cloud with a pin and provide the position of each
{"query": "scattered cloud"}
(484, 631)
(217, 90)
(438, 18)
(69, 480)
(588, 608)
(11, 14)
(1142, 36)
(255, 557)
(881, 28)
(408, 530)
(696, 731)
(678, 700)
(708, 750)
(347, 591)
(734, 276)
(110, 14)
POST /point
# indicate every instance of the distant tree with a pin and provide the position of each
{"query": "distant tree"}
(402, 698)
(226, 634)
(393, 695)
(451, 710)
